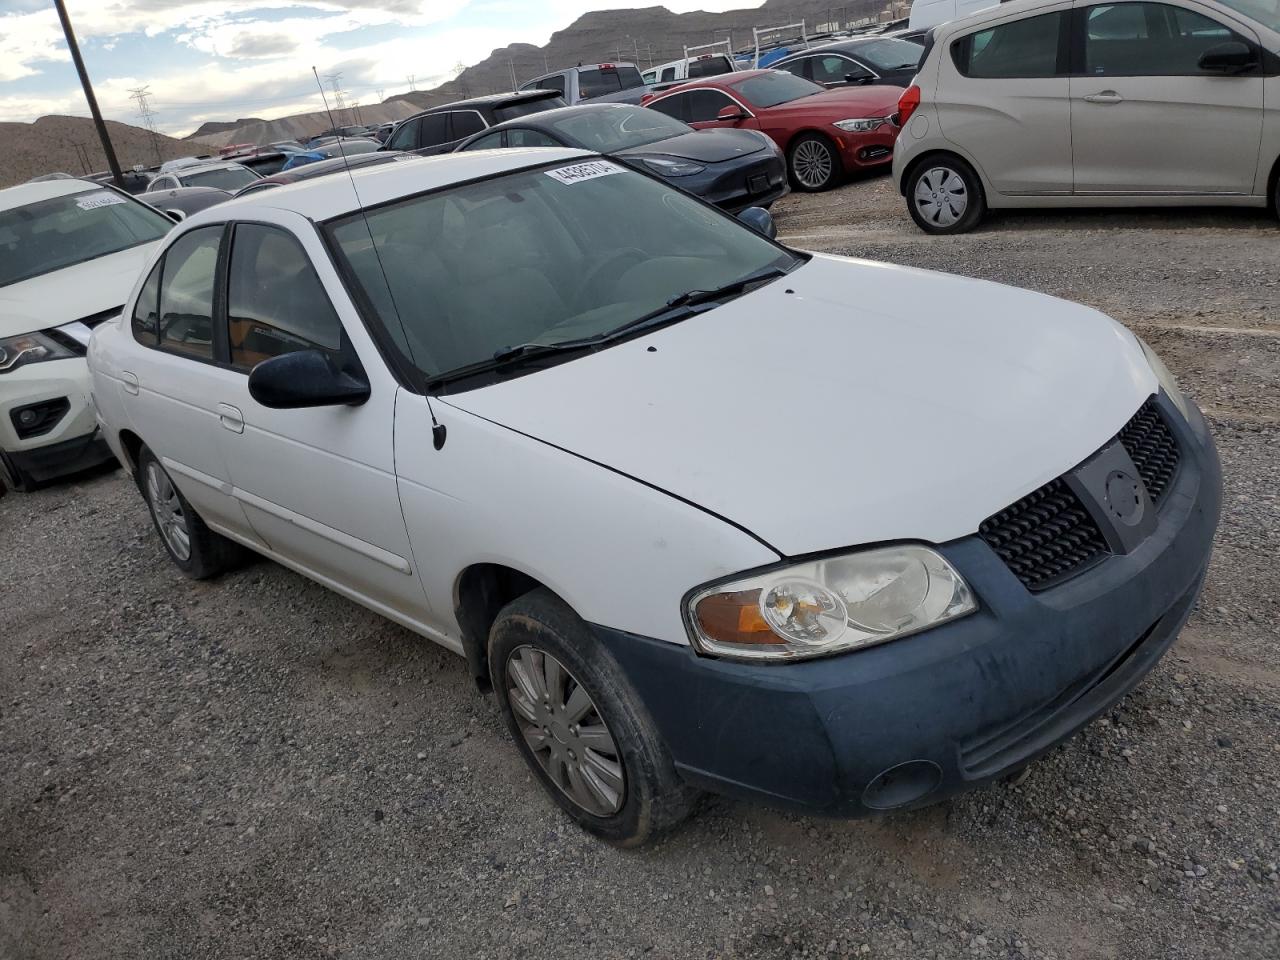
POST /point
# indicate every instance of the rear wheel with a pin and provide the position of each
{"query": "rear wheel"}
(944, 195)
(195, 549)
(813, 163)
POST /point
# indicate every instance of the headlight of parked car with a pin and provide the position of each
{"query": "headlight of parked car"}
(864, 125)
(825, 606)
(17, 352)
(1167, 382)
(673, 168)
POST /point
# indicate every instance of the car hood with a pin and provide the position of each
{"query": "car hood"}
(873, 100)
(72, 293)
(703, 146)
(872, 403)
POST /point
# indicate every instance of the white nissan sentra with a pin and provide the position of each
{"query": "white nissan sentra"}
(706, 512)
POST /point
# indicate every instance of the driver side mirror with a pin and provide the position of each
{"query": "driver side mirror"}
(307, 378)
(760, 220)
(859, 78)
(1229, 57)
(731, 112)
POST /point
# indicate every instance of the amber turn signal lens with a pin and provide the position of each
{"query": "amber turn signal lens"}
(734, 618)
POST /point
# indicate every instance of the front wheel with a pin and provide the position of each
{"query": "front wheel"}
(813, 163)
(944, 195)
(579, 724)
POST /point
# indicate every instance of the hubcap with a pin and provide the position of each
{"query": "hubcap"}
(169, 515)
(812, 164)
(941, 196)
(564, 731)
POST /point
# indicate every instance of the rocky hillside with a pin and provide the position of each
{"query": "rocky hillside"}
(300, 125)
(70, 145)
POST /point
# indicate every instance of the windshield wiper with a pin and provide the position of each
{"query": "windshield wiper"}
(531, 351)
(682, 305)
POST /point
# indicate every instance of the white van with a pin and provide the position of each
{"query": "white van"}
(930, 13)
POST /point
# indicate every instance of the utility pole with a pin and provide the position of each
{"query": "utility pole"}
(141, 94)
(112, 163)
(411, 78)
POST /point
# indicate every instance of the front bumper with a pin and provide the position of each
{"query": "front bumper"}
(864, 151)
(72, 442)
(912, 721)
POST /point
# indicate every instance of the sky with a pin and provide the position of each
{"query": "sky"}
(252, 58)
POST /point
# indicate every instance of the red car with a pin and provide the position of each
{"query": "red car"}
(823, 133)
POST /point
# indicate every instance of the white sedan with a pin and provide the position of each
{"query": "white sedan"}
(70, 251)
(707, 513)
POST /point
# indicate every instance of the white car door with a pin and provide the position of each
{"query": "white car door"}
(1147, 118)
(1003, 96)
(317, 483)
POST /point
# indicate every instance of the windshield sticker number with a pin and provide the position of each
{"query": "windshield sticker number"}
(95, 200)
(584, 171)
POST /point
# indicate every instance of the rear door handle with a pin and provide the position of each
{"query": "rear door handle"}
(231, 418)
(130, 382)
(1106, 96)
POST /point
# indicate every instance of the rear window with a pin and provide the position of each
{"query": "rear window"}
(1022, 49)
(522, 108)
(710, 67)
(228, 178)
(60, 232)
(598, 82)
(604, 130)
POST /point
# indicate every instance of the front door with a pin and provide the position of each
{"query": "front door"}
(1147, 119)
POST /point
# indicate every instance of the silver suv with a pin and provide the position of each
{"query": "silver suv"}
(1054, 103)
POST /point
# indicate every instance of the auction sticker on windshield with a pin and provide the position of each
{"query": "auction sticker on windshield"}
(93, 201)
(584, 171)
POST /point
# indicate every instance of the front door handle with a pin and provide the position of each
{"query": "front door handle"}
(1106, 96)
(129, 382)
(231, 418)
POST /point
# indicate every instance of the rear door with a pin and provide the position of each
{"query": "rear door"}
(1004, 96)
(1146, 118)
(433, 134)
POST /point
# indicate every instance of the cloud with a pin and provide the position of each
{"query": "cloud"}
(252, 46)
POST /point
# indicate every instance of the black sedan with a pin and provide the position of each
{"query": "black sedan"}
(733, 169)
(858, 61)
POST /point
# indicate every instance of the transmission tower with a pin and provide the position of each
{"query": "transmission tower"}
(335, 84)
(142, 95)
(412, 78)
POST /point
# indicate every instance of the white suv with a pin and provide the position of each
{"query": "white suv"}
(1054, 103)
(708, 513)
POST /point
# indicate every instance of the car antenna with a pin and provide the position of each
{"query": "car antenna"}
(438, 430)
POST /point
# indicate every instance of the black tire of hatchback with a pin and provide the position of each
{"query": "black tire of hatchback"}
(656, 799)
(211, 553)
(802, 146)
(976, 200)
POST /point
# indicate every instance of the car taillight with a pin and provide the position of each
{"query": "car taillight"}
(907, 104)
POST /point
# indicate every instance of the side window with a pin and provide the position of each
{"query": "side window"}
(435, 130)
(833, 70)
(705, 104)
(406, 136)
(1021, 49)
(491, 141)
(275, 303)
(798, 68)
(555, 83)
(676, 106)
(186, 293)
(1149, 40)
(146, 312)
(668, 74)
(529, 138)
(709, 67)
(465, 123)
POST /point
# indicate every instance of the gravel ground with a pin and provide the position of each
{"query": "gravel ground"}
(254, 767)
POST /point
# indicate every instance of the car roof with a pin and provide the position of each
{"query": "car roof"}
(322, 198)
(26, 193)
(848, 45)
(488, 100)
(542, 117)
(198, 167)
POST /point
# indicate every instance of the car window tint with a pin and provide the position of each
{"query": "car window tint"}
(890, 53)
(669, 73)
(491, 141)
(710, 67)
(522, 108)
(529, 138)
(705, 104)
(831, 69)
(796, 68)
(774, 87)
(146, 312)
(1148, 40)
(1021, 49)
(275, 302)
(465, 124)
(186, 293)
(406, 136)
(676, 105)
(434, 130)
(595, 83)
(555, 83)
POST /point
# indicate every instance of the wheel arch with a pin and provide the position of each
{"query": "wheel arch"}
(132, 445)
(480, 592)
(1273, 201)
(930, 155)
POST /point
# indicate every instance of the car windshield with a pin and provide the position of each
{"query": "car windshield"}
(1266, 12)
(539, 256)
(889, 53)
(60, 232)
(616, 128)
(224, 178)
(522, 108)
(771, 89)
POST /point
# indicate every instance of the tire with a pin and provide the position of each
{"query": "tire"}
(944, 195)
(607, 768)
(194, 549)
(813, 164)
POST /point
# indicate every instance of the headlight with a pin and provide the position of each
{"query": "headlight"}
(17, 352)
(672, 168)
(865, 125)
(825, 606)
(1162, 373)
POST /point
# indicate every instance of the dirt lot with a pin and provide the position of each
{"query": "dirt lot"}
(253, 767)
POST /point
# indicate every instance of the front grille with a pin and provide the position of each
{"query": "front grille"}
(1152, 448)
(1046, 536)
